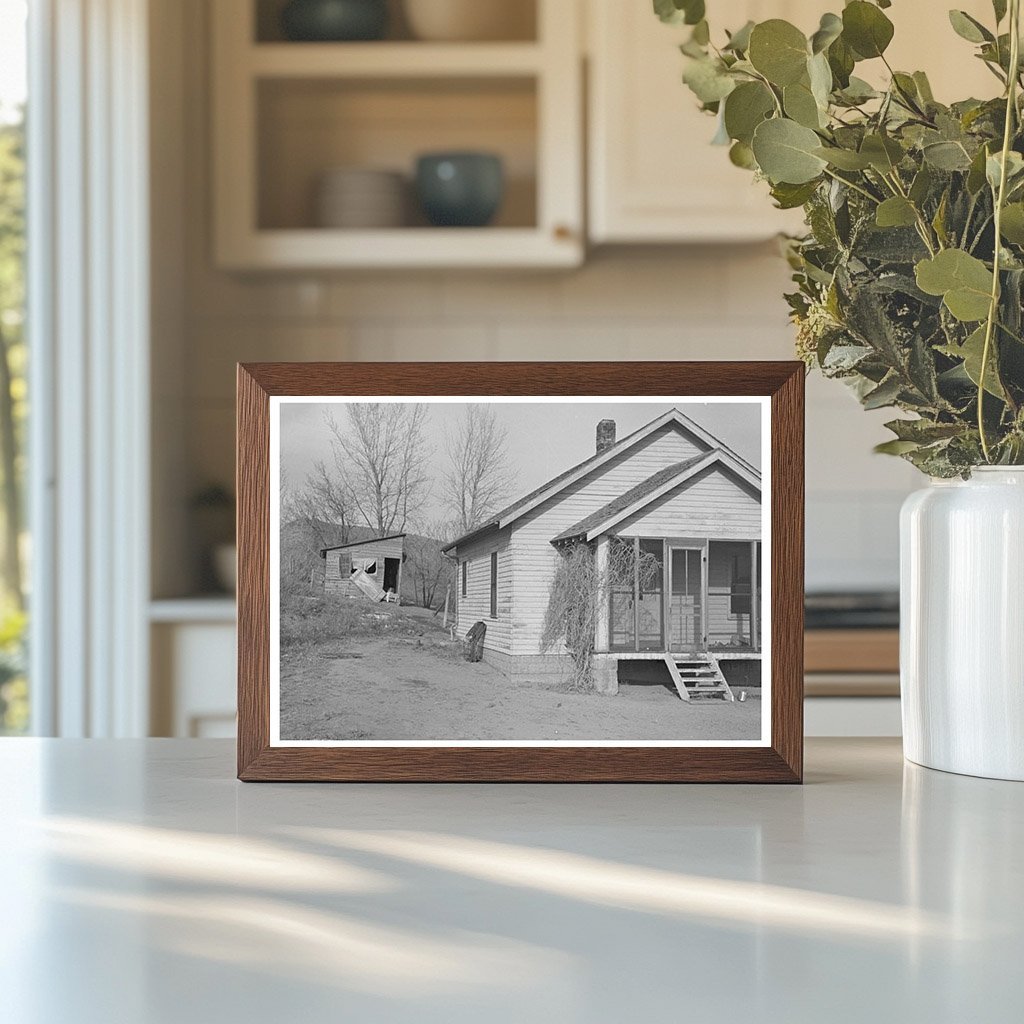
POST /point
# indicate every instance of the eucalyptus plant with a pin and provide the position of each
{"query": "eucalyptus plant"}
(909, 280)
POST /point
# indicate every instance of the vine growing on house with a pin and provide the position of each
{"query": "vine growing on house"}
(580, 594)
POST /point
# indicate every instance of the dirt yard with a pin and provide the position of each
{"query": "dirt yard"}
(413, 684)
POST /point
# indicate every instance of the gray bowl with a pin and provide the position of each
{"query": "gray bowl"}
(334, 20)
(461, 190)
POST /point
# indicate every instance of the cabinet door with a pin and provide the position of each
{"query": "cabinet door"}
(654, 176)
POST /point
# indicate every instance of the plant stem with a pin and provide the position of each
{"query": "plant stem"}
(856, 188)
(923, 228)
(993, 309)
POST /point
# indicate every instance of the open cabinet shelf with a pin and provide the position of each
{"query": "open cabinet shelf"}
(393, 60)
(286, 114)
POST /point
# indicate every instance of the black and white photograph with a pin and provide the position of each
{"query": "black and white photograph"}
(573, 571)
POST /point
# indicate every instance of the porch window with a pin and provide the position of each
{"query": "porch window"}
(733, 567)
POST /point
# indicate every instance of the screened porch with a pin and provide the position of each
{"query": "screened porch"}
(683, 594)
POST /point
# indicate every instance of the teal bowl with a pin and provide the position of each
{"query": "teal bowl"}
(460, 190)
(334, 21)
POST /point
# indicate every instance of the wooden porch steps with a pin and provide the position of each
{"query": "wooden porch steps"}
(698, 676)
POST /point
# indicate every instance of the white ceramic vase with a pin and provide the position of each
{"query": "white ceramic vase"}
(962, 624)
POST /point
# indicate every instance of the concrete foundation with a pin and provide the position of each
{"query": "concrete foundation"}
(606, 674)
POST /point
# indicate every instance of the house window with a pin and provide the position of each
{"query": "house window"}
(368, 565)
(494, 584)
(344, 565)
(464, 568)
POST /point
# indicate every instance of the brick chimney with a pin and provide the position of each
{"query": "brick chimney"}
(605, 435)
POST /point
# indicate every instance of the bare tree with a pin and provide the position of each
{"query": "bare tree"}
(480, 477)
(312, 518)
(430, 570)
(381, 460)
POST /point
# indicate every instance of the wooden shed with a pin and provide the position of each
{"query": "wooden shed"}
(365, 569)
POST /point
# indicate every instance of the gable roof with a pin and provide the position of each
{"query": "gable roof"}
(649, 490)
(360, 543)
(558, 483)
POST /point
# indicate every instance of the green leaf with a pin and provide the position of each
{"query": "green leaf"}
(896, 212)
(883, 153)
(924, 87)
(739, 41)
(676, 12)
(972, 352)
(830, 29)
(800, 105)
(708, 80)
(858, 91)
(866, 29)
(841, 60)
(939, 220)
(789, 197)
(778, 50)
(896, 447)
(947, 156)
(785, 152)
(923, 431)
(976, 174)
(921, 185)
(1012, 226)
(963, 281)
(745, 108)
(844, 159)
(969, 28)
(1014, 169)
(885, 394)
(820, 76)
(741, 155)
(999, 7)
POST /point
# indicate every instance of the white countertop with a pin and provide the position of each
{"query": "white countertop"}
(143, 885)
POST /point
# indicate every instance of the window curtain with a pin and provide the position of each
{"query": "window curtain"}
(88, 320)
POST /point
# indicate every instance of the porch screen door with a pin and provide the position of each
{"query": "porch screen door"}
(622, 605)
(650, 617)
(686, 599)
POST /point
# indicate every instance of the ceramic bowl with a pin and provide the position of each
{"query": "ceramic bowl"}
(460, 189)
(470, 20)
(358, 197)
(334, 20)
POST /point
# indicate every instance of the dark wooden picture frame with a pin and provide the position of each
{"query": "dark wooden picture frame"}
(781, 761)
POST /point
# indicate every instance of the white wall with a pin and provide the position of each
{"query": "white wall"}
(702, 303)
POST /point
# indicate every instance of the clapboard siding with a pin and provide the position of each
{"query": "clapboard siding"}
(714, 504)
(476, 605)
(534, 556)
(337, 564)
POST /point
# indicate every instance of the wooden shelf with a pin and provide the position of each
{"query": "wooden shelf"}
(286, 112)
(852, 650)
(393, 60)
(401, 247)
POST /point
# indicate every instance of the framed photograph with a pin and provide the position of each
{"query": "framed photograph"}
(520, 572)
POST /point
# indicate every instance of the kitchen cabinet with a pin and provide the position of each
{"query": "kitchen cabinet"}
(287, 113)
(192, 647)
(653, 175)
